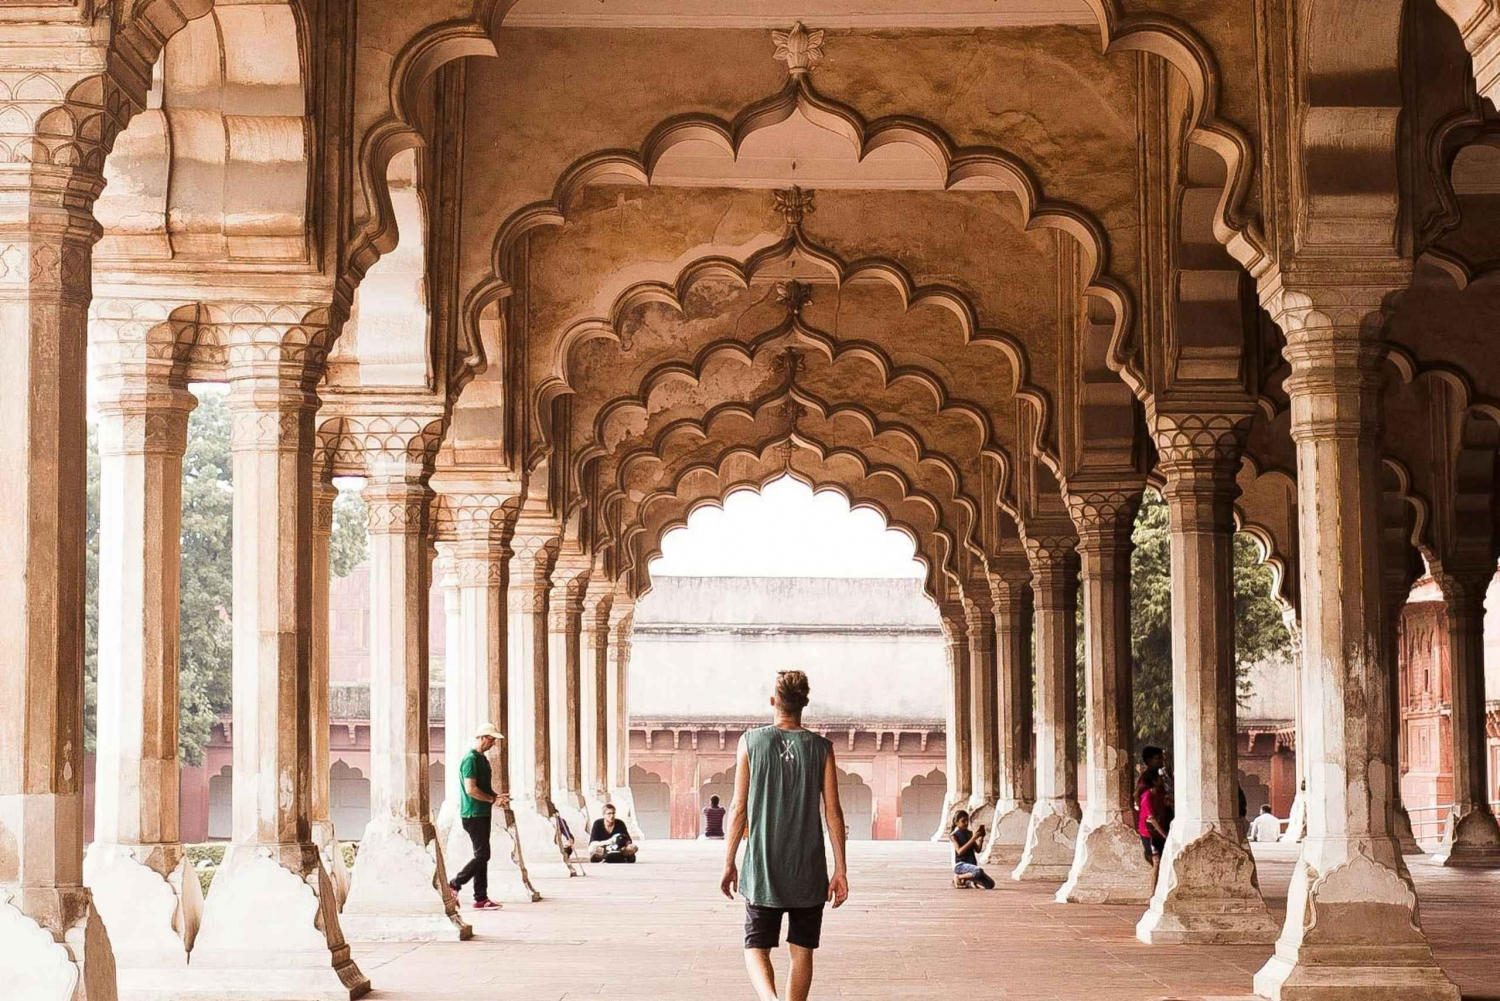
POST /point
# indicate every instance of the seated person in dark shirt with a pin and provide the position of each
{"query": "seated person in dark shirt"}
(609, 841)
(713, 819)
(966, 846)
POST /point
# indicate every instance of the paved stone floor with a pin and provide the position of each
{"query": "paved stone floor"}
(659, 931)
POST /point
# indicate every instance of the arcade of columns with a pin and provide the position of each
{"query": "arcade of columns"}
(991, 274)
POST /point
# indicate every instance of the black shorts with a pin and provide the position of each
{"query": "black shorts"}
(763, 926)
(1153, 844)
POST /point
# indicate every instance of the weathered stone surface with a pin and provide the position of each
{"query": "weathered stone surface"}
(1051, 843)
(1108, 867)
(1206, 893)
(152, 917)
(399, 892)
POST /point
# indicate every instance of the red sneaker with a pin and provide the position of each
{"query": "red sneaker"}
(486, 905)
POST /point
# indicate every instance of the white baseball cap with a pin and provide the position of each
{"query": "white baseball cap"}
(488, 730)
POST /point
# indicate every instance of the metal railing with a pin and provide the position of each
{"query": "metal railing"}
(1429, 822)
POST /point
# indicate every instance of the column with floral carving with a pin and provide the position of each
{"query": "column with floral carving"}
(959, 734)
(1053, 828)
(1352, 924)
(1207, 890)
(1108, 865)
(1011, 588)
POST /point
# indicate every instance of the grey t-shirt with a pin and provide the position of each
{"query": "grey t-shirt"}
(785, 864)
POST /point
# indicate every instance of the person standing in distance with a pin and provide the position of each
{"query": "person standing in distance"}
(786, 782)
(474, 802)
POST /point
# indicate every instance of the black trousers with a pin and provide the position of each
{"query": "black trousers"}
(478, 869)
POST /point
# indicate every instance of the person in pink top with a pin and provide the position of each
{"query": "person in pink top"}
(1152, 814)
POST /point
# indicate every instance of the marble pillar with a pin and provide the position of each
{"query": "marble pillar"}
(52, 944)
(1471, 837)
(319, 801)
(271, 922)
(570, 579)
(1052, 833)
(1207, 890)
(617, 708)
(1397, 591)
(529, 730)
(984, 775)
(1353, 929)
(146, 890)
(1296, 823)
(1108, 865)
(1013, 617)
(399, 889)
(594, 697)
(960, 735)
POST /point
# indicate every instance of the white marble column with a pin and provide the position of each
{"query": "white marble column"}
(1352, 928)
(959, 744)
(617, 696)
(1108, 865)
(146, 891)
(594, 697)
(984, 777)
(51, 940)
(1207, 890)
(399, 888)
(1052, 833)
(1013, 617)
(570, 579)
(1471, 837)
(271, 922)
(1296, 824)
(1398, 584)
(319, 801)
(529, 732)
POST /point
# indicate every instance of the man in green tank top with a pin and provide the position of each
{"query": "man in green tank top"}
(785, 788)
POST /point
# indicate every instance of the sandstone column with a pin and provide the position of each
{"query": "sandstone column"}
(1352, 926)
(399, 889)
(1013, 604)
(51, 940)
(595, 694)
(146, 891)
(271, 922)
(529, 731)
(979, 612)
(570, 579)
(1470, 835)
(959, 742)
(1053, 830)
(1109, 866)
(478, 686)
(1398, 582)
(617, 708)
(319, 803)
(1296, 824)
(1207, 890)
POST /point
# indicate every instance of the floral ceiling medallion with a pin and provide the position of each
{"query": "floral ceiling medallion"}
(799, 48)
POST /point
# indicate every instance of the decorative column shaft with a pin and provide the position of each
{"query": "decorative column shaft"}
(147, 893)
(1470, 835)
(594, 697)
(399, 890)
(1108, 866)
(979, 612)
(570, 579)
(1013, 616)
(1053, 830)
(1397, 590)
(1296, 824)
(960, 737)
(1352, 925)
(529, 731)
(273, 363)
(617, 708)
(319, 801)
(1207, 890)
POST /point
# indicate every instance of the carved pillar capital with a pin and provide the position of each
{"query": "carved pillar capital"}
(570, 584)
(1200, 456)
(396, 506)
(270, 345)
(533, 554)
(1054, 567)
(1104, 513)
(324, 493)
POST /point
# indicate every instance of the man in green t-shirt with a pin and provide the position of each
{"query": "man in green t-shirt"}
(475, 797)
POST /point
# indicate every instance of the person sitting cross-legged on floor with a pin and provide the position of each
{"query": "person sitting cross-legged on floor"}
(966, 846)
(609, 841)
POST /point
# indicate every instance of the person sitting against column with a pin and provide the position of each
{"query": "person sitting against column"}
(966, 847)
(713, 819)
(1152, 823)
(1265, 827)
(474, 802)
(609, 841)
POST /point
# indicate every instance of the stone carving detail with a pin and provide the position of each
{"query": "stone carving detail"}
(795, 205)
(1101, 512)
(1200, 439)
(799, 48)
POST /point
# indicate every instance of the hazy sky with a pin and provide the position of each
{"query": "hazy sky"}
(786, 531)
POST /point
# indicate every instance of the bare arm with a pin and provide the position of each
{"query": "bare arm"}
(838, 833)
(472, 788)
(976, 841)
(736, 830)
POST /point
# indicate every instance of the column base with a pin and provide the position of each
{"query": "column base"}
(1471, 840)
(624, 800)
(981, 811)
(1008, 835)
(538, 836)
(1296, 821)
(1207, 893)
(508, 880)
(332, 852)
(63, 957)
(1406, 838)
(1352, 935)
(271, 931)
(1051, 842)
(1109, 867)
(151, 903)
(399, 891)
(570, 805)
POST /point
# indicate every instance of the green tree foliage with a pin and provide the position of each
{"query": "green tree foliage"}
(1260, 633)
(349, 543)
